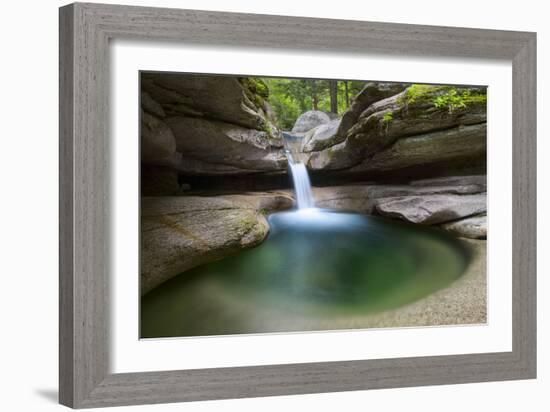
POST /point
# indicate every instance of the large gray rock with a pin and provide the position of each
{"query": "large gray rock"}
(479, 181)
(400, 190)
(194, 166)
(333, 158)
(220, 125)
(432, 209)
(159, 181)
(329, 139)
(362, 197)
(371, 93)
(459, 143)
(459, 186)
(351, 198)
(407, 129)
(226, 145)
(264, 202)
(149, 105)
(179, 233)
(473, 227)
(321, 137)
(309, 120)
(218, 97)
(402, 116)
(157, 140)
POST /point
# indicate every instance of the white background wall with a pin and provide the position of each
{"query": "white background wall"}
(28, 211)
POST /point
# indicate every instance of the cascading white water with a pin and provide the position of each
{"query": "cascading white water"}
(300, 177)
(302, 185)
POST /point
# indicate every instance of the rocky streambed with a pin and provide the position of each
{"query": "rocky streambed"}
(181, 232)
(213, 168)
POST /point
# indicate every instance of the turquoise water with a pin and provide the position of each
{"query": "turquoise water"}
(315, 267)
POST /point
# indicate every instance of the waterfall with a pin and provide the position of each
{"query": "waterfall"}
(300, 177)
(302, 186)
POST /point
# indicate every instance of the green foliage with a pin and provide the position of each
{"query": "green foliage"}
(289, 98)
(420, 93)
(452, 100)
(259, 87)
(386, 120)
(256, 90)
(447, 98)
(388, 117)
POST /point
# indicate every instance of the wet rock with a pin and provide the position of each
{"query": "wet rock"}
(352, 198)
(473, 227)
(265, 202)
(181, 232)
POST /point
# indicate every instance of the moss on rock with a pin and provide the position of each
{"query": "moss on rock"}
(448, 98)
(255, 89)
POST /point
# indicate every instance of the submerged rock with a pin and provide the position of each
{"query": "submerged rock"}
(181, 232)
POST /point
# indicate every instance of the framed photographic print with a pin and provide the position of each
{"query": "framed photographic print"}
(258, 205)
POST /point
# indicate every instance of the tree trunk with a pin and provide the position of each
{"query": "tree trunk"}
(333, 84)
(314, 98)
(347, 93)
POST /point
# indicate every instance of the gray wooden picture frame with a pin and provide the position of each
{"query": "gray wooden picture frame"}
(85, 31)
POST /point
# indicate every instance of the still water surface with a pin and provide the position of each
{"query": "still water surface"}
(315, 266)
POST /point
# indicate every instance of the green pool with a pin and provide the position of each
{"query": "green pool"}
(315, 267)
